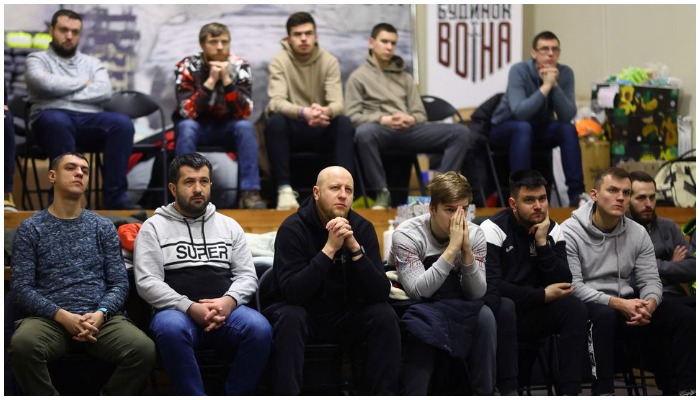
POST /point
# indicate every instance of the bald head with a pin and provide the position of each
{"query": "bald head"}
(333, 172)
(333, 193)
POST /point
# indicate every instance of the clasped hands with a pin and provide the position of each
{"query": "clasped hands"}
(212, 313)
(549, 75)
(218, 71)
(398, 121)
(339, 234)
(317, 115)
(637, 312)
(84, 328)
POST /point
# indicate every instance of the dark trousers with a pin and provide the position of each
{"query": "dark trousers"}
(568, 318)
(284, 136)
(61, 131)
(520, 137)
(507, 348)
(376, 325)
(664, 374)
(672, 327)
(425, 365)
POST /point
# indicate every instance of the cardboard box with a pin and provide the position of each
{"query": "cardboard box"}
(642, 123)
(595, 157)
(651, 167)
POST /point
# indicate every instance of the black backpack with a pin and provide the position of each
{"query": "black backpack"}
(481, 118)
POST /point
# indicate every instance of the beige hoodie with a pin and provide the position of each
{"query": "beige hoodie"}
(295, 84)
(372, 92)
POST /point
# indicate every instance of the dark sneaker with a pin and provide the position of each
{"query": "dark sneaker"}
(383, 200)
(250, 199)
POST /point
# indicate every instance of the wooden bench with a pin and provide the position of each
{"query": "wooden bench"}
(262, 221)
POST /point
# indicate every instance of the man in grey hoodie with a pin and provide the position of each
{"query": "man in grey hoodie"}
(385, 106)
(614, 272)
(194, 267)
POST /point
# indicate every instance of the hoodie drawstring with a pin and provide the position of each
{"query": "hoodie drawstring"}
(189, 230)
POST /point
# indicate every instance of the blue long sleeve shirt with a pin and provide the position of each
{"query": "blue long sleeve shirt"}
(523, 100)
(74, 264)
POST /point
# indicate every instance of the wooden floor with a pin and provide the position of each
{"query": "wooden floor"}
(262, 221)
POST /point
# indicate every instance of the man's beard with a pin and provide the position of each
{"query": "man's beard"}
(191, 209)
(62, 51)
(642, 220)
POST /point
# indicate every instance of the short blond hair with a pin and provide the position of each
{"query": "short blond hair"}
(449, 187)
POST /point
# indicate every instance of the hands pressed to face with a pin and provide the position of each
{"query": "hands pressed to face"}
(541, 230)
(459, 237)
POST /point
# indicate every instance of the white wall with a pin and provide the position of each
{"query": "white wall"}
(599, 40)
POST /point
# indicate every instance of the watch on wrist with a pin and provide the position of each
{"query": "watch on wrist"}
(106, 313)
(358, 252)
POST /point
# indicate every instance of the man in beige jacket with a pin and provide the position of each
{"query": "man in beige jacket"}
(305, 111)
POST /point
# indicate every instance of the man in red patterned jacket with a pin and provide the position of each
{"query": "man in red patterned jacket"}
(213, 92)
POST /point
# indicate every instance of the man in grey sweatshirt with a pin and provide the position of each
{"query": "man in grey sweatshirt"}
(67, 90)
(614, 272)
(194, 267)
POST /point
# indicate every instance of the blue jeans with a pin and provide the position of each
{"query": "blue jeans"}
(246, 332)
(235, 135)
(61, 131)
(9, 152)
(519, 137)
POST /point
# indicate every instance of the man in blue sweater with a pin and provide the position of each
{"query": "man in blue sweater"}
(538, 90)
(67, 90)
(68, 277)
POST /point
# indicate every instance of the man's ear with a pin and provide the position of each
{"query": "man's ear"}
(316, 191)
(512, 203)
(594, 194)
(533, 54)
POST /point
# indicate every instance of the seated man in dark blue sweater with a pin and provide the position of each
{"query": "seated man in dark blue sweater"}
(526, 264)
(68, 277)
(536, 112)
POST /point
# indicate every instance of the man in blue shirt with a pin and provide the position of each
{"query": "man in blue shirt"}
(68, 277)
(538, 90)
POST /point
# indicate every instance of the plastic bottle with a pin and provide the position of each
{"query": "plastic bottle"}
(387, 240)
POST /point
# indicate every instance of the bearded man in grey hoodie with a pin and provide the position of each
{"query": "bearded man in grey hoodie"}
(614, 272)
(194, 267)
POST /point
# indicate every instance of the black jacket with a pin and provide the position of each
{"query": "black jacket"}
(303, 275)
(516, 267)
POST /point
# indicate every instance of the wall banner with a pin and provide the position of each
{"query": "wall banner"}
(470, 49)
